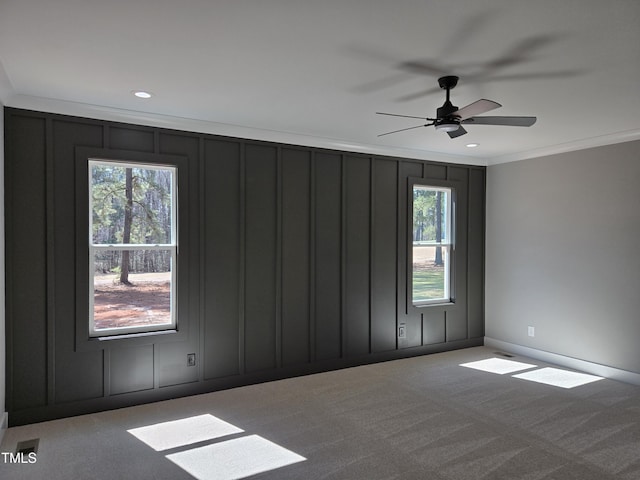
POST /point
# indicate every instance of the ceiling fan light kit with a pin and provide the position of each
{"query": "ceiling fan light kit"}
(447, 126)
(450, 118)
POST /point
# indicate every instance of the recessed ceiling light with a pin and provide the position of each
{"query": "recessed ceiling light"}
(142, 94)
(472, 145)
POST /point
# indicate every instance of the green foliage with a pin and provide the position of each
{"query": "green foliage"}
(425, 214)
(151, 214)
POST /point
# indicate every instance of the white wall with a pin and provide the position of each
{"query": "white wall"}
(563, 254)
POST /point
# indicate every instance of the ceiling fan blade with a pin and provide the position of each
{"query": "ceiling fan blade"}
(508, 121)
(457, 133)
(416, 95)
(403, 129)
(405, 116)
(476, 108)
(423, 67)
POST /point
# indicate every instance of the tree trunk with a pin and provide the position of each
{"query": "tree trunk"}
(126, 234)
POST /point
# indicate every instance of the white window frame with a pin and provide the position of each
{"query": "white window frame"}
(171, 247)
(448, 246)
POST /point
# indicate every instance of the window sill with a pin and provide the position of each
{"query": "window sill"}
(444, 305)
(108, 338)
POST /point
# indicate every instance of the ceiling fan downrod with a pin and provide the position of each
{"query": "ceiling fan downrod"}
(447, 83)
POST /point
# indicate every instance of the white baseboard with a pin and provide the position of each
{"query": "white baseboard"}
(4, 425)
(563, 361)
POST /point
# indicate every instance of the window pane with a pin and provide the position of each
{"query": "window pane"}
(141, 298)
(131, 204)
(430, 214)
(431, 242)
(430, 275)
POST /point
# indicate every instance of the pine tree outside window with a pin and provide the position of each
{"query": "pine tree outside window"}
(132, 247)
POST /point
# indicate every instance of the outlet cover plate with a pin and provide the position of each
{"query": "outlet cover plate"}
(191, 359)
(402, 330)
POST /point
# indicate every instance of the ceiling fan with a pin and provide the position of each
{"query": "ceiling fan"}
(450, 118)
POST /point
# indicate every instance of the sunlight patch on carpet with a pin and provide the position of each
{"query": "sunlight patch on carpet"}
(187, 431)
(229, 459)
(498, 365)
(558, 377)
(234, 459)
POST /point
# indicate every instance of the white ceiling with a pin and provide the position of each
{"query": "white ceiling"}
(315, 73)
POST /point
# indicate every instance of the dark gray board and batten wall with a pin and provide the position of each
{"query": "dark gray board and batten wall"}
(293, 260)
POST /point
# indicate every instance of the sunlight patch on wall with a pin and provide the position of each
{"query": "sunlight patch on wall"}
(498, 365)
(234, 459)
(558, 378)
(178, 433)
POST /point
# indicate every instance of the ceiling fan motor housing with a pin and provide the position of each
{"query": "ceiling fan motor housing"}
(445, 121)
(446, 110)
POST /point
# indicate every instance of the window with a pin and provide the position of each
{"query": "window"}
(132, 247)
(432, 244)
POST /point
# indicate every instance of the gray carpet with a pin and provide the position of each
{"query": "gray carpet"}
(418, 418)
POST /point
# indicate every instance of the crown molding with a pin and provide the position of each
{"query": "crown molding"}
(203, 126)
(171, 122)
(599, 141)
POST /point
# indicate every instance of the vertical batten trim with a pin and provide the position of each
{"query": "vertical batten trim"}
(399, 212)
(155, 365)
(343, 255)
(106, 372)
(372, 246)
(9, 240)
(446, 333)
(402, 253)
(312, 257)
(279, 259)
(397, 257)
(50, 267)
(242, 260)
(484, 249)
(202, 256)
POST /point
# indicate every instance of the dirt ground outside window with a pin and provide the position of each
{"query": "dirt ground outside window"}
(146, 302)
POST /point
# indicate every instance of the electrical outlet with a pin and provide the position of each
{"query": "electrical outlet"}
(531, 331)
(402, 330)
(191, 359)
